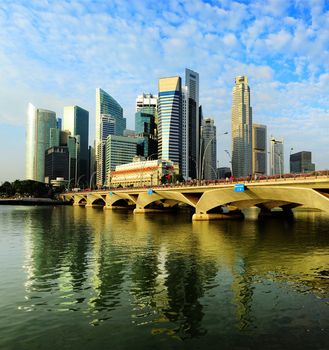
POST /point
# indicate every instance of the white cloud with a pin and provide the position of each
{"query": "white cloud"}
(58, 54)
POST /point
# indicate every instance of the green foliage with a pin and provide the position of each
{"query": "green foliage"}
(25, 188)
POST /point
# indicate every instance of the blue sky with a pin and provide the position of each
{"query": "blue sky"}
(55, 53)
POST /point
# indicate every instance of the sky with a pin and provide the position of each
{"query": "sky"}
(56, 53)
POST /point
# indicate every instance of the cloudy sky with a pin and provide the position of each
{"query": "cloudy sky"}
(55, 53)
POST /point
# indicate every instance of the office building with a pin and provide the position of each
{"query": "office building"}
(147, 103)
(145, 127)
(301, 162)
(39, 123)
(241, 128)
(170, 120)
(107, 127)
(209, 150)
(56, 163)
(276, 156)
(223, 172)
(259, 155)
(193, 122)
(185, 134)
(120, 150)
(76, 121)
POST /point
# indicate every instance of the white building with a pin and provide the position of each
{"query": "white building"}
(141, 173)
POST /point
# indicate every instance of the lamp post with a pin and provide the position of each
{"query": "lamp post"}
(205, 152)
(91, 178)
(291, 149)
(80, 177)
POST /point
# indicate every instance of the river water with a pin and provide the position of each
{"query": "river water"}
(76, 278)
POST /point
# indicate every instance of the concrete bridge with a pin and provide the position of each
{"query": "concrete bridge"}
(214, 201)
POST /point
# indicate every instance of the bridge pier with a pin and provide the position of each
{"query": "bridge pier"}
(231, 215)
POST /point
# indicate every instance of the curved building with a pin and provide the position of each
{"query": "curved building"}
(39, 123)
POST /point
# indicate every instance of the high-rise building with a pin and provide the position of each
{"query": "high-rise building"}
(76, 120)
(259, 154)
(241, 128)
(107, 127)
(170, 120)
(145, 127)
(120, 150)
(107, 106)
(209, 149)
(39, 123)
(147, 103)
(276, 156)
(185, 134)
(301, 162)
(57, 163)
(193, 122)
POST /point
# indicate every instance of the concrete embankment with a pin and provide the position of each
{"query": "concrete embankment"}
(31, 201)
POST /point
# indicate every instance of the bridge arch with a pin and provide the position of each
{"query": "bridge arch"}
(272, 196)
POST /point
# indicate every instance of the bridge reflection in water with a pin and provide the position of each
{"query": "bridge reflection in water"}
(214, 201)
(140, 276)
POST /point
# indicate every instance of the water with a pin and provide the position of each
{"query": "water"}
(76, 278)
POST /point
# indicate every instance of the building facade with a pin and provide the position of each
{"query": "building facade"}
(185, 133)
(142, 173)
(276, 156)
(147, 103)
(76, 120)
(56, 163)
(194, 124)
(209, 150)
(241, 128)
(259, 153)
(301, 162)
(39, 123)
(145, 127)
(170, 120)
(120, 150)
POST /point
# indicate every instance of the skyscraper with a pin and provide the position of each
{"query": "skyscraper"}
(170, 120)
(76, 120)
(39, 123)
(147, 103)
(185, 134)
(209, 149)
(241, 128)
(301, 162)
(107, 106)
(107, 127)
(259, 149)
(193, 122)
(276, 156)
(145, 128)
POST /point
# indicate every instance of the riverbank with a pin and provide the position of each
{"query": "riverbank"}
(31, 201)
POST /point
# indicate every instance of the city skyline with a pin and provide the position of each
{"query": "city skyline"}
(282, 46)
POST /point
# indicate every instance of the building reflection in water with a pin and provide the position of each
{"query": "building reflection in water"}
(174, 277)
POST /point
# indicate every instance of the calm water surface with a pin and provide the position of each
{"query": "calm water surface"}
(76, 278)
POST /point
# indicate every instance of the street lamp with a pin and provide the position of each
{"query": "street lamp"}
(91, 178)
(229, 155)
(205, 152)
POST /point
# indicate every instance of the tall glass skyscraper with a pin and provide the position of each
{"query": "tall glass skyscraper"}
(259, 164)
(170, 120)
(241, 128)
(106, 105)
(276, 156)
(209, 149)
(39, 123)
(76, 120)
(193, 122)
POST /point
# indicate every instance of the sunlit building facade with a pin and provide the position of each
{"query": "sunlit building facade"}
(76, 120)
(241, 128)
(170, 120)
(39, 123)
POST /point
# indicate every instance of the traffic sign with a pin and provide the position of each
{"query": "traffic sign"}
(239, 188)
